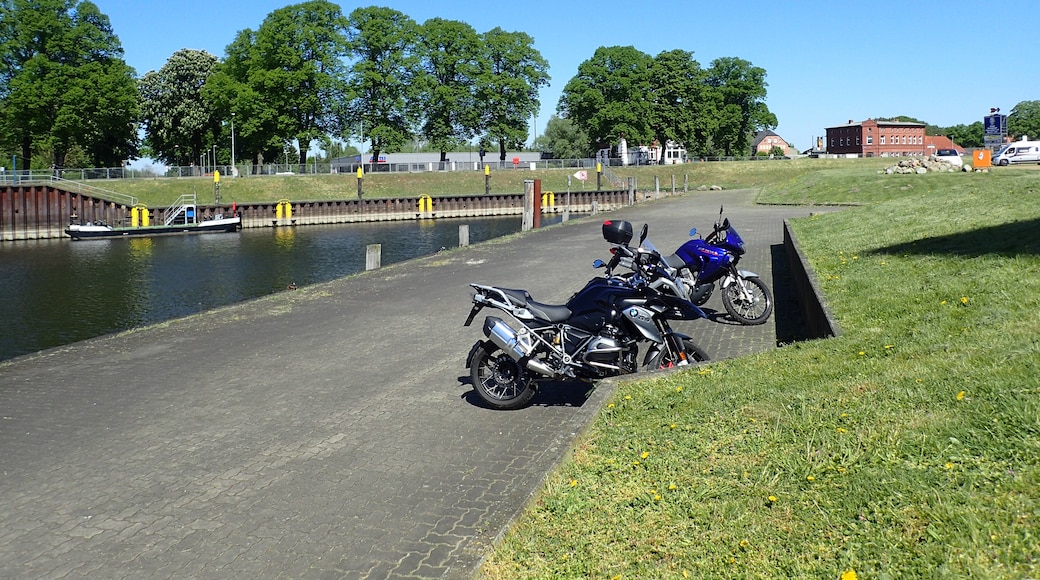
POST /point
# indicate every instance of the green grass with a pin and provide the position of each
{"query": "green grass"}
(159, 191)
(908, 447)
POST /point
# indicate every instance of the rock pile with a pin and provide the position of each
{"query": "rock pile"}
(919, 166)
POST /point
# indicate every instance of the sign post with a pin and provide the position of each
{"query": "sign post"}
(994, 129)
(581, 176)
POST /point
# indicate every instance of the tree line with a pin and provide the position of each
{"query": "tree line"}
(312, 75)
(308, 74)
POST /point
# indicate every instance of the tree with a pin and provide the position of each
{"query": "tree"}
(680, 111)
(232, 89)
(179, 123)
(298, 70)
(1024, 120)
(383, 78)
(564, 139)
(451, 53)
(507, 88)
(65, 83)
(611, 96)
(965, 135)
(740, 91)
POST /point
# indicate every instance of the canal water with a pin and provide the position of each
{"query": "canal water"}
(55, 292)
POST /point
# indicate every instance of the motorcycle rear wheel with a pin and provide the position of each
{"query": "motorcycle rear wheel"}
(499, 380)
(666, 360)
(748, 312)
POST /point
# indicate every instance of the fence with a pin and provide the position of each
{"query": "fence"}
(324, 168)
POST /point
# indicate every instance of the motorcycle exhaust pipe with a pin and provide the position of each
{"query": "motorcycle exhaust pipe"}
(506, 338)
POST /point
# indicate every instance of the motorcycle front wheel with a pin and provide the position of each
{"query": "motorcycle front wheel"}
(667, 360)
(499, 380)
(752, 308)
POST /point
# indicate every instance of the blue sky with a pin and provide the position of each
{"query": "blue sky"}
(945, 62)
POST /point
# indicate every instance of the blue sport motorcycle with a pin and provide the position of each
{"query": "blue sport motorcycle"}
(701, 263)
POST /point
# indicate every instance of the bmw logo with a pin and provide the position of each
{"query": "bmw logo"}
(633, 313)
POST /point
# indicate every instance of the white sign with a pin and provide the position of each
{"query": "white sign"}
(582, 175)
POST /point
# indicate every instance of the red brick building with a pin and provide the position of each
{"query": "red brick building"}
(872, 138)
(765, 141)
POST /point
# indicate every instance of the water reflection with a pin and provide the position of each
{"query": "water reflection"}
(56, 292)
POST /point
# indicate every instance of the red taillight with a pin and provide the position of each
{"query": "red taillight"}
(613, 250)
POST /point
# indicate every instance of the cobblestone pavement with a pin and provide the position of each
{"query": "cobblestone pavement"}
(324, 432)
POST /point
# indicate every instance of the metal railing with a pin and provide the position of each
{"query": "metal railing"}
(183, 204)
(71, 186)
(323, 168)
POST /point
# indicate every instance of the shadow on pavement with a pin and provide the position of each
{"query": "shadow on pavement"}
(550, 394)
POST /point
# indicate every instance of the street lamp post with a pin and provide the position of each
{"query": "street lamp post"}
(232, 144)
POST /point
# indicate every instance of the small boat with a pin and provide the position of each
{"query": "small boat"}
(181, 218)
(103, 230)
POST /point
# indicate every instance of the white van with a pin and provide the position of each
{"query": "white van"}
(1018, 152)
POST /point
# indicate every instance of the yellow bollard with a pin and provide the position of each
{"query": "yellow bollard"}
(284, 209)
(425, 204)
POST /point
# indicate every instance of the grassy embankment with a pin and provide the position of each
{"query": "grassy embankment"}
(908, 447)
(162, 191)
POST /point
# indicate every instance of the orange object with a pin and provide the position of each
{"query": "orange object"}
(982, 158)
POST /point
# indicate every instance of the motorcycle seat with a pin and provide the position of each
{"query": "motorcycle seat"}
(547, 312)
(674, 261)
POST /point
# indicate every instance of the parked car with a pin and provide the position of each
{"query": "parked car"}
(949, 156)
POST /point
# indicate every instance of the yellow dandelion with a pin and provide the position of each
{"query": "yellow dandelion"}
(841, 429)
(672, 425)
(943, 302)
(610, 406)
(574, 482)
(628, 397)
(964, 299)
(810, 478)
(855, 257)
(657, 497)
(672, 486)
(849, 575)
(843, 415)
(883, 262)
(744, 543)
(960, 396)
(645, 454)
(752, 419)
(949, 466)
(888, 346)
(842, 470)
(772, 499)
(861, 353)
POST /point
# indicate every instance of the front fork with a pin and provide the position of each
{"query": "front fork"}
(673, 343)
(737, 277)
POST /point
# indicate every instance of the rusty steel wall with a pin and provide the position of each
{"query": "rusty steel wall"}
(32, 212)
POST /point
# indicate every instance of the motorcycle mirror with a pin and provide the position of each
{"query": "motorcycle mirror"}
(643, 233)
(597, 264)
(693, 232)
